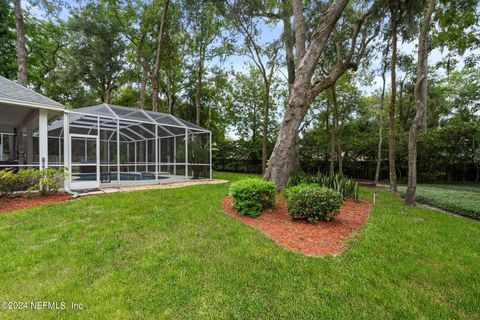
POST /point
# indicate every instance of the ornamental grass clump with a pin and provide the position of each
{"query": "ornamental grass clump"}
(314, 203)
(342, 185)
(252, 196)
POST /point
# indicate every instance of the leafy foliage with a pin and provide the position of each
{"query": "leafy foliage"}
(288, 192)
(343, 186)
(99, 49)
(313, 203)
(252, 196)
(11, 181)
(46, 181)
(8, 63)
(449, 150)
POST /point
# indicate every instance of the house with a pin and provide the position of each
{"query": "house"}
(102, 145)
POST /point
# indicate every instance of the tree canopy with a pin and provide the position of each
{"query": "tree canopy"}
(316, 85)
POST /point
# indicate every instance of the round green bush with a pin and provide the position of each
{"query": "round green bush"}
(294, 189)
(252, 196)
(314, 204)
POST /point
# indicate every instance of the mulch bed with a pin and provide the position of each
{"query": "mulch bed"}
(21, 202)
(309, 238)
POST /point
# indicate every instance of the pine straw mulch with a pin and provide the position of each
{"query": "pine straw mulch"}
(316, 239)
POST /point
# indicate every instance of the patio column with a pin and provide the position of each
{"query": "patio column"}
(66, 150)
(43, 137)
(186, 154)
(29, 143)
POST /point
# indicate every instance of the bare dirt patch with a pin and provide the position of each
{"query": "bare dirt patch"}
(309, 238)
(21, 202)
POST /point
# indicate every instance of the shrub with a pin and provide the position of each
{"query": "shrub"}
(11, 181)
(341, 184)
(287, 192)
(252, 196)
(46, 181)
(7, 182)
(314, 204)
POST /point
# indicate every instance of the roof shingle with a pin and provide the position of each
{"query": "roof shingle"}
(10, 90)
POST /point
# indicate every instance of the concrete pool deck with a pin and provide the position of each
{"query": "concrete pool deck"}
(151, 186)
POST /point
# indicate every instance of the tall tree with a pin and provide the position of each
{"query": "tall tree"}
(20, 44)
(204, 28)
(264, 57)
(336, 139)
(98, 49)
(136, 21)
(174, 67)
(283, 11)
(393, 6)
(380, 114)
(331, 130)
(156, 68)
(420, 99)
(304, 91)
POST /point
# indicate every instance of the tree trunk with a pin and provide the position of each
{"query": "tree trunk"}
(420, 97)
(400, 104)
(393, 98)
(143, 84)
(282, 160)
(336, 129)
(332, 143)
(425, 91)
(379, 148)
(332, 148)
(289, 43)
(198, 92)
(299, 27)
(20, 44)
(380, 126)
(265, 127)
(171, 102)
(156, 69)
(144, 67)
(108, 95)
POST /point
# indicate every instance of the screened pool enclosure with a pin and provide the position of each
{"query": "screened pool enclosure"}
(100, 146)
(112, 145)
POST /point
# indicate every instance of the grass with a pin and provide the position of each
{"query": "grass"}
(174, 254)
(459, 198)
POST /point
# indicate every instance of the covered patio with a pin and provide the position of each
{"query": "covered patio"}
(24, 119)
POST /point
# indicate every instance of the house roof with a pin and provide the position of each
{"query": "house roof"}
(12, 92)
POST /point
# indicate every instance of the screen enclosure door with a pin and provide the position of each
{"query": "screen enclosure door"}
(85, 162)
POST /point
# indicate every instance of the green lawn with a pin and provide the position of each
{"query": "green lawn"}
(460, 198)
(173, 253)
